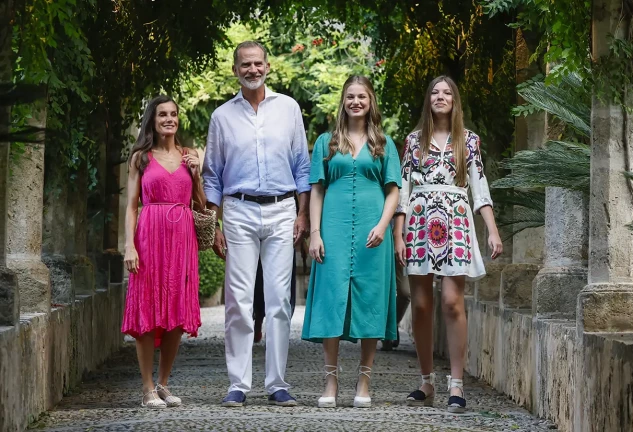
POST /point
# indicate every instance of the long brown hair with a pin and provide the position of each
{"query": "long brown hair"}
(147, 135)
(425, 126)
(376, 139)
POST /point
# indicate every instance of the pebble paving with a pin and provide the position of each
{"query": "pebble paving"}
(109, 398)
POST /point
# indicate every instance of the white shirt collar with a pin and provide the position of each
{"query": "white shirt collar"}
(268, 93)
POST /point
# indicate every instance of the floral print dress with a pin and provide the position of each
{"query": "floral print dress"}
(439, 229)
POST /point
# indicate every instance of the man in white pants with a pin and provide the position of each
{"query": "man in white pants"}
(256, 159)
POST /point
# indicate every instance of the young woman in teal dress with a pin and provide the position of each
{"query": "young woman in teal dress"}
(355, 176)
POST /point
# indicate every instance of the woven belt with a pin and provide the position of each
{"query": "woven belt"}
(441, 188)
(262, 199)
(173, 205)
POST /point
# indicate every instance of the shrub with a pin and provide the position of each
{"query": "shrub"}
(211, 273)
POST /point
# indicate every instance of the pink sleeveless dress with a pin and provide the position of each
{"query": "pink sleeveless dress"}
(163, 295)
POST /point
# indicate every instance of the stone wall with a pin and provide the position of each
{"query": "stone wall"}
(534, 361)
(47, 354)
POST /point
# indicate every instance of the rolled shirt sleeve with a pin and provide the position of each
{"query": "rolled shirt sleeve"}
(477, 178)
(405, 173)
(301, 169)
(213, 166)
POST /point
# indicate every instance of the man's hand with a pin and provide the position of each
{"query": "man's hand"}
(302, 228)
(219, 244)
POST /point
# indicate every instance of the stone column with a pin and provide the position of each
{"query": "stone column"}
(556, 287)
(24, 245)
(605, 305)
(9, 298)
(96, 203)
(527, 246)
(55, 227)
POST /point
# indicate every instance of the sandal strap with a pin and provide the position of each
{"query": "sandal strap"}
(150, 392)
(429, 379)
(364, 370)
(160, 387)
(454, 382)
(333, 372)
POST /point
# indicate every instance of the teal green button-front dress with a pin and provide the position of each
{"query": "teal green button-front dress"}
(352, 294)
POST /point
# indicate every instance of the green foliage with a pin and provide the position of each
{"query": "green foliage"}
(419, 41)
(211, 269)
(523, 209)
(305, 65)
(614, 72)
(558, 163)
(564, 26)
(568, 100)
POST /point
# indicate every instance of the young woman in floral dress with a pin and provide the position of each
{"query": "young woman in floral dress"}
(441, 161)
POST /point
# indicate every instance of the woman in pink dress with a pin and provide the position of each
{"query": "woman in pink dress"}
(161, 250)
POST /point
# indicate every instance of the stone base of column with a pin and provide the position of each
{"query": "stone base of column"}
(70, 276)
(487, 288)
(516, 285)
(60, 271)
(9, 298)
(555, 291)
(605, 307)
(34, 282)
(83, 276)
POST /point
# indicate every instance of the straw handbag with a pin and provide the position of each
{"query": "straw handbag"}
(204, 222)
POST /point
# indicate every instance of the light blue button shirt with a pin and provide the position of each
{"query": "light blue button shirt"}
(262, 153)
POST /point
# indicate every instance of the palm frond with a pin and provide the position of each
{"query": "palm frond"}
(567, 100)
(558, 163)
(522, 209)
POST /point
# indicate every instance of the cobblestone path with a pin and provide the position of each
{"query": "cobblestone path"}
(109, 399)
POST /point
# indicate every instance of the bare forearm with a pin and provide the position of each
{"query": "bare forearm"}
(198, 194)
(304, 203)
(489, 218)
(398, 224)
(389, 208)
(316, 206)
(131, 216)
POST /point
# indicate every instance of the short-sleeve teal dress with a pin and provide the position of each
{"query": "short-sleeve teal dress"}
(352, 294)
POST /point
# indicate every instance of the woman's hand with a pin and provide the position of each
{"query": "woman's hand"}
(193, 162)
(376, 236)
(494, 241)
(131, 260)
(316, 250)
(400, 250)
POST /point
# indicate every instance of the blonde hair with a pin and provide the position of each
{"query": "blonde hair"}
(458, 141)
(376, 139)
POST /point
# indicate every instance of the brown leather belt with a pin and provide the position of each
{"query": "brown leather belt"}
(262, 199)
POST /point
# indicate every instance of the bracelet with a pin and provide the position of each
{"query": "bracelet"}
(315, 230)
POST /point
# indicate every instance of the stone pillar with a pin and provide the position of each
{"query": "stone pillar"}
(527, 246)
(24, 245)
(530, 134)
(9, 297)
(556, 287)
(96, 204)
(605, 305)
(55, 227)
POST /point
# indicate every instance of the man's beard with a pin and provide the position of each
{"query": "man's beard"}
(253, 85)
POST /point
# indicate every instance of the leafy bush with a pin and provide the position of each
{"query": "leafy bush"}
(211, 273)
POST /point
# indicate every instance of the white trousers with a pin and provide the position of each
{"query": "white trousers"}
(253, 230)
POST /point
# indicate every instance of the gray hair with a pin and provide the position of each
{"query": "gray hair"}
(250, 44)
